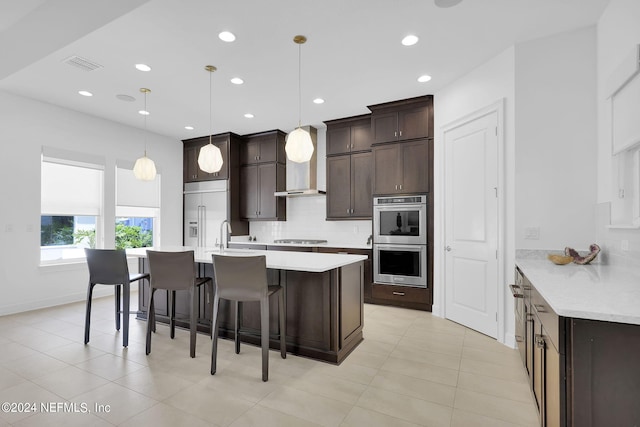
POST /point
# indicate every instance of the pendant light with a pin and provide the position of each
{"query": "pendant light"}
(145, 168)
(210, 156)
(299, 147)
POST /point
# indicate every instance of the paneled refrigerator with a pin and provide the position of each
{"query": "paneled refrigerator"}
(205, 207)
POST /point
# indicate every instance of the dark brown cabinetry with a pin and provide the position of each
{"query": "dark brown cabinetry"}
(263, 172)
(368, 265)
(582, 372)
(402, 120)
(264, 147)
(349, 186)
(349, 135)
(349, 168)
(401, 168)
(192, 171)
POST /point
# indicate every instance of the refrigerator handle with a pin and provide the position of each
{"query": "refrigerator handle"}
(199, 242)
(204, 226)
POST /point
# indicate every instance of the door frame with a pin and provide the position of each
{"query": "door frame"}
(440, 236)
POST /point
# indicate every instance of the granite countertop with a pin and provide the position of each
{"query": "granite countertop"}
(297, 261)
(595, 291)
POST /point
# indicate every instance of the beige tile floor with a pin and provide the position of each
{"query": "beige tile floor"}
(412, 369)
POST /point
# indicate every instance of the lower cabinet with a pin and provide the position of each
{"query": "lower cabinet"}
(368, 265)
(583, 373)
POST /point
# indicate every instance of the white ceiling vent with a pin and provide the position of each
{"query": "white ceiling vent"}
(82, 63)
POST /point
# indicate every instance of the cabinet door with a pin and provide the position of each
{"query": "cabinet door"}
(339, 140)
(415, 167)
(384, 127)
(248, 192)
(361, 137)
(249, 152)
(190, 166)
(385, 169)
(339, 186)
(268, 149)
(267, 175)
(361, 172)
(413, 123)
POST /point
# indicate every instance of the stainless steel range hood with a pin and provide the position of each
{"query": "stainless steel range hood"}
(302, 178)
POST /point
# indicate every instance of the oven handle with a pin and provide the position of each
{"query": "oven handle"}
(409, 207)
(409, 248)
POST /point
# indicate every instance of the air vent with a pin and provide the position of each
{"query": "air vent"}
(82, 63)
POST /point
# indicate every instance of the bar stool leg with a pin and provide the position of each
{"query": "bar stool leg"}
(118, 310)
(151, 319)
(125, 313)
(237, 327)
(87, 319)
(264, 336)
(214, 325)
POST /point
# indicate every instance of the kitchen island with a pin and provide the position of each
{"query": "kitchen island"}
(323, 299)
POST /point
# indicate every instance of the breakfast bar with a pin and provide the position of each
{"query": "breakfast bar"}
(323, 299)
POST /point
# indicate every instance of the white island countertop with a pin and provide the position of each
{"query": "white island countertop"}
(595, 292)
(294, 261)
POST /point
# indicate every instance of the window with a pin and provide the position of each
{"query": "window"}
(71, 204)
(137, 209)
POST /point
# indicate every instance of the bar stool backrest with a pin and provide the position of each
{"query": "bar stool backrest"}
(107, 266)
(242, 278)
(171, 270)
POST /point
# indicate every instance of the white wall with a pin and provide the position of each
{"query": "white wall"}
(484, 86)
(25, 127)
(618, 33)
(556, 140)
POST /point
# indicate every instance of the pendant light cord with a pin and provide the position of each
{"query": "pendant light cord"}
(299, 85)
(146, 113)
(210, 106)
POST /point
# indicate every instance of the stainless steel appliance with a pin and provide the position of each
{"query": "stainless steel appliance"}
(400, 240)
(400, 265)
(301, 241)
(401, 220)
(205, 207)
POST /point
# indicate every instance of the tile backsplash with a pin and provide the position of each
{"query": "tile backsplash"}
(306, 220)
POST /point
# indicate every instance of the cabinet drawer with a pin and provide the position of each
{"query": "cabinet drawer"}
(400, 293)
(548, 318)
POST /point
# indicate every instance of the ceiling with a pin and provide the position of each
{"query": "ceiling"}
(353, 57)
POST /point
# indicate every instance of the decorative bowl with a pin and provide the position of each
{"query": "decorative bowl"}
(559, 259)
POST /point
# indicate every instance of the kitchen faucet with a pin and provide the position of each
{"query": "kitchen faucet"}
(222, 232)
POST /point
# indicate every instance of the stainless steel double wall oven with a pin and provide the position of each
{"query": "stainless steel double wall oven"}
(400, 240)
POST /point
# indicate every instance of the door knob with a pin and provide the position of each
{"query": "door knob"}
(448, 248)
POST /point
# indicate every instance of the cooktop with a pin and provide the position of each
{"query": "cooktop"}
(300, 241)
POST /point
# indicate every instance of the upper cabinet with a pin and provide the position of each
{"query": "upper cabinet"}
(349, 135)
(192, 171)
(401, 168)
(263, 172)
(402, 120)
(349, 168)
(264, 147)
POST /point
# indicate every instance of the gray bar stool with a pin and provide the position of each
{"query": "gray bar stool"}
(109, 267)
(175, 271)
(244, 278)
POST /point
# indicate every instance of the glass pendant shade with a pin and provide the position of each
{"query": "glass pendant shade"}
(210, 158)
(299, 147)
(144, 169)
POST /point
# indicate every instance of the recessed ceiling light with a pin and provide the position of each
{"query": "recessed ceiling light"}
(189, 127)
(227, 36)
(143, 112)
(410, 40)
(143, 67)
(126, 98)
(318, 101)
(424, 78)
(249, 116)
(85, 93)
(447, 3)
(237, 81)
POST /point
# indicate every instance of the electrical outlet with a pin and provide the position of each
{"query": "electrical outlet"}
(355, 229)
(8, 228)
(624, 245)
(532, 233)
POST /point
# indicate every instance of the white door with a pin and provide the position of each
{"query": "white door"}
(471, 224)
